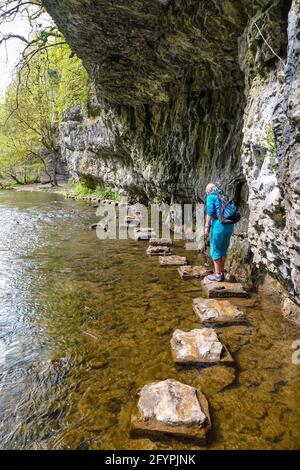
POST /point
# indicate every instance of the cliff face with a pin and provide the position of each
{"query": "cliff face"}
(189, 93)
(170, 87)
(271, 164)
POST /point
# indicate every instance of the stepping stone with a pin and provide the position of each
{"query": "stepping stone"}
(223, 289)
(171, 408)
(144, 234)
(128, 220)
(160, 242)
(104, 226)
(172, 261)
(159, 250)
(217, 311)
(193, 272)
(145, 230)
(198, 347)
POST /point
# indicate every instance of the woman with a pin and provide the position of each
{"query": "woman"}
(219, 233)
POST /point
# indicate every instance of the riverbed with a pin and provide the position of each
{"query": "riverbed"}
(84, 323)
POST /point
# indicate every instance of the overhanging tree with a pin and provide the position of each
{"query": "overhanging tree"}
(48, 78)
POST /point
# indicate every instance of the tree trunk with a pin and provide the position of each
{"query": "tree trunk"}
(54, 168)
(15, 178)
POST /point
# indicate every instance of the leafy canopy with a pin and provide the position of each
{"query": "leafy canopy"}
(53, 80)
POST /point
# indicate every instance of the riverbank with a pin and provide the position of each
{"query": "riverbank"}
(60, 189)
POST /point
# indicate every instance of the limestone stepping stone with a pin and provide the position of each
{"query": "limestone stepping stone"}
(160, 242)
(159, 250)
(193, 272)
(144, 234)
(217, 311)
(172, 261)
(104, 226)
(145, 229)
(198, 347)
(172, 408)
(128, 220)
(223, 289)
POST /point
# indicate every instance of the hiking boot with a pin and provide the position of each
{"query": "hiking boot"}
(215, 277)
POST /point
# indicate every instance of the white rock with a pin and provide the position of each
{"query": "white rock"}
(170, 402)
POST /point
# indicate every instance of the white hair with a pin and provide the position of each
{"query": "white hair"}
(210, 188)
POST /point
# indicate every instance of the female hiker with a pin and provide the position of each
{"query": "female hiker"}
(221, 215)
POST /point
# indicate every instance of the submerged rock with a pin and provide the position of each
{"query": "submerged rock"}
(217, 311)
(171, 407)
(216, 378)
(198, 346)
(172, 261)
(193, 272)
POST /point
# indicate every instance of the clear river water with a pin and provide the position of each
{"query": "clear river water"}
(85, 323)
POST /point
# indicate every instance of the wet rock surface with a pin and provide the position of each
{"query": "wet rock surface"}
(170, 407)
(198, 346)
(217, 311)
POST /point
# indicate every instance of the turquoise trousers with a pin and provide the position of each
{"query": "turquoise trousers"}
(219, 239)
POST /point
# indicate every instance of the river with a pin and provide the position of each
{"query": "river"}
(85, 323)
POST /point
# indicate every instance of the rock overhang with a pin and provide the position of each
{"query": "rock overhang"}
(137, 52)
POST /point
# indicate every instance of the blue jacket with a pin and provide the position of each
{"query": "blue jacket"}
(212, 204)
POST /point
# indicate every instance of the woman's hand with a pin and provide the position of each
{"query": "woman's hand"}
(206, 231)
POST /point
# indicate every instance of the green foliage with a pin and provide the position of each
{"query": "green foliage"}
(81, 189)
(261, 71)
(270, 143)
(106, 193)
(33, 106)
(73, 87)
(269, 139)
(101, 192)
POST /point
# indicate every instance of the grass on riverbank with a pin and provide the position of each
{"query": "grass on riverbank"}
(80, 189)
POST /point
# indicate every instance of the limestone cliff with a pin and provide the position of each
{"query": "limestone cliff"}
(271, 163)
(190, 91)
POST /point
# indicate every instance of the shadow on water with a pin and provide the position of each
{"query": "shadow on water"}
(85, 323)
